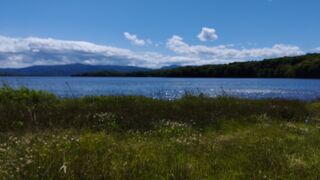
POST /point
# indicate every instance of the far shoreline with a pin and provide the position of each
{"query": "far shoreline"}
(77, 76)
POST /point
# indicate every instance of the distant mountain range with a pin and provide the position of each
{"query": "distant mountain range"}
(67, 70)
(306, 66)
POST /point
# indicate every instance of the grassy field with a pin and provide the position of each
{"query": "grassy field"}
(130, 137)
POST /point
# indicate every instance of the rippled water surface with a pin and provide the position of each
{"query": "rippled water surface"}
(171, 87)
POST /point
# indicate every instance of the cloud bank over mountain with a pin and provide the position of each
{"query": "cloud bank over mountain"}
(22, 52)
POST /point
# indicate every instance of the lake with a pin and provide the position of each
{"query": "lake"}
(171, 88)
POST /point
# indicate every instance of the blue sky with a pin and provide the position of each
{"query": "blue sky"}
(154, 33)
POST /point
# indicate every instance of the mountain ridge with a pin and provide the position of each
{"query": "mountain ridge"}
(304, 66)
(66, 70)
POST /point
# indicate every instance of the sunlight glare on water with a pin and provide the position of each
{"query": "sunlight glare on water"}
(171, 88)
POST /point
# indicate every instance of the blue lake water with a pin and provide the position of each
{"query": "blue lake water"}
(171, 88)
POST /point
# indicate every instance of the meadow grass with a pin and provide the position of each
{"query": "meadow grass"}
(131, 137)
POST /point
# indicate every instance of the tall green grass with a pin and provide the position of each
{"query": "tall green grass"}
(24, 109)
(171, 151)
(131, 137)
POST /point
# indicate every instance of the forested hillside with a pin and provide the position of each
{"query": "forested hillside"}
(307, 66)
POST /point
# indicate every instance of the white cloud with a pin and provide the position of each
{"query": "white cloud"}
(134, 39)
(229, 54)
(207, 34)
(22, 52)
(19, 52)
(177, 45)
